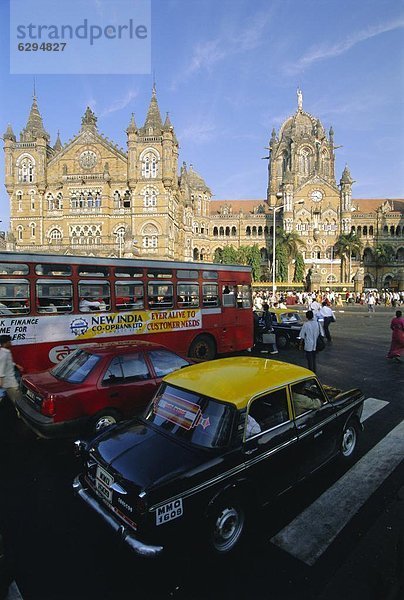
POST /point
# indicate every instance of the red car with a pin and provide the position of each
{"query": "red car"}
(94, 387)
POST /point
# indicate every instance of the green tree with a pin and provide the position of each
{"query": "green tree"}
(254, 260)
(299, 273)
(288, 248)
(345, 246)
(230, 255)
(218, 256)
(384, 254)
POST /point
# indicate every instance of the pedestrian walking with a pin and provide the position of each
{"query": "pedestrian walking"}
(371, 302)
(397, 337)
(309, 334)
(328, 318)
(8, 380)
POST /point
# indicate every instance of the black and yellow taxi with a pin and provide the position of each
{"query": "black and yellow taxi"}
(219, 440)
(287, 323)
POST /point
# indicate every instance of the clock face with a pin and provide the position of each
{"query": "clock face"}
(316, 195)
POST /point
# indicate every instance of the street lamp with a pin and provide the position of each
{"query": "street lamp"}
(274, 210)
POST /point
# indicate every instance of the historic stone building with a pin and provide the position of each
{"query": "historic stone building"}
(91, 197)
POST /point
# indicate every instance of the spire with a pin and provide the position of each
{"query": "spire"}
(34, 127)
(58, 144)
(167, 122)
(132, 128)
(153, 119)
(346, 176)
(89, 121)
(9, 133)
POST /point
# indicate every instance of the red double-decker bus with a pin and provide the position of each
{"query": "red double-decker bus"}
(51, 303)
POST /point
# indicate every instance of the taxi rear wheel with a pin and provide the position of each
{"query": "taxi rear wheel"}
(282, 341)
(227, 525)
(349, 442)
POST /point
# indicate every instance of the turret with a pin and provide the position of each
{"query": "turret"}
(9, 141)
(132, 133)
(346, 182)
(58, 144)
(170, 153)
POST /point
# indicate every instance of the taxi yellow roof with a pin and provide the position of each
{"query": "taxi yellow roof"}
(236, 379)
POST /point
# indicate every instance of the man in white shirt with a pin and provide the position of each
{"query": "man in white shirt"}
(8, 379)
(328, 317)
(308, 335)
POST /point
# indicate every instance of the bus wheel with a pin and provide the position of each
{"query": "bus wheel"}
(105, 419)
(203, 348)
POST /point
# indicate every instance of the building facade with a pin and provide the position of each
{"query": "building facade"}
(91, 197)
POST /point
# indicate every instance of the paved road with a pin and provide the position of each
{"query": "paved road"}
(338, 536)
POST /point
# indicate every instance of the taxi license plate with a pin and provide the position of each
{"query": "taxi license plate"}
(103, 482)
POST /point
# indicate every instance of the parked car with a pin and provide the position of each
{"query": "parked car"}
(95, 386)
(287, 324)
(219, 440)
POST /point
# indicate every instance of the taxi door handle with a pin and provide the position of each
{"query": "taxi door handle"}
(251, 451)
(316, 435)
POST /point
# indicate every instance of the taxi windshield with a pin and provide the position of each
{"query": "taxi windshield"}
(290, 318)
(194, 418)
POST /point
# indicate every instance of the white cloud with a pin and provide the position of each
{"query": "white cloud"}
(248, 36)
(199, 132)
(325, 51)
(119, 103)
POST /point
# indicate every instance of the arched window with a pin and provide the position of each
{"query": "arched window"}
(150, 236)
(150, 197)
(32, 227)
(19, 200)
(85, 234)
(215, 232)
(32, 199)
(149, 162)
(19, 233)
(305, 161)
(221, 231)
(233, 232)
(227, 231)
(51, 201)
(55, 236)
(248, 231)
(59, 201)
(26, 169)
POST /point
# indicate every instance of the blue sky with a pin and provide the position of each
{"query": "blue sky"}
(227, 71)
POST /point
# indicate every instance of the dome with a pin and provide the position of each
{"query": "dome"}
(195, 181)
(301, 124)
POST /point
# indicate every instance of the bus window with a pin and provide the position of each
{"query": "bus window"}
(210, 275)
(94, 295)
(243, 296)
(160, 295)
(54, 296)
(13, 269)
(184, 274)
(93, 271)
(228, 295)
(160, 273)
(128, 272)
(187, 294)
(210, 294)
(129, 295)
(44, 269)
(14, 297)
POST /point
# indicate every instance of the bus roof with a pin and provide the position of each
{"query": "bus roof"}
(58, 259)
(237, 379)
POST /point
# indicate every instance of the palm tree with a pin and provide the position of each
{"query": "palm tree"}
(288, 248)
(383, 253)
(345, 246)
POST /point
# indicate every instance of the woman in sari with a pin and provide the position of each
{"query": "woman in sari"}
(397, 337)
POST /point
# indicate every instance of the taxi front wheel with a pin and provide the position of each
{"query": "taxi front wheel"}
(227, 524)
(349, 442)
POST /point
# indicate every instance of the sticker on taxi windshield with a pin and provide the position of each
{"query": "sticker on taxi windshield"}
(177, 410)
(169, 511)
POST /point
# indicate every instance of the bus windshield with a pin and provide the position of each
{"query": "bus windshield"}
(197, 419)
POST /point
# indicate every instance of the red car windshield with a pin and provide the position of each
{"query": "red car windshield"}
(197, 419)
(75, 367)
